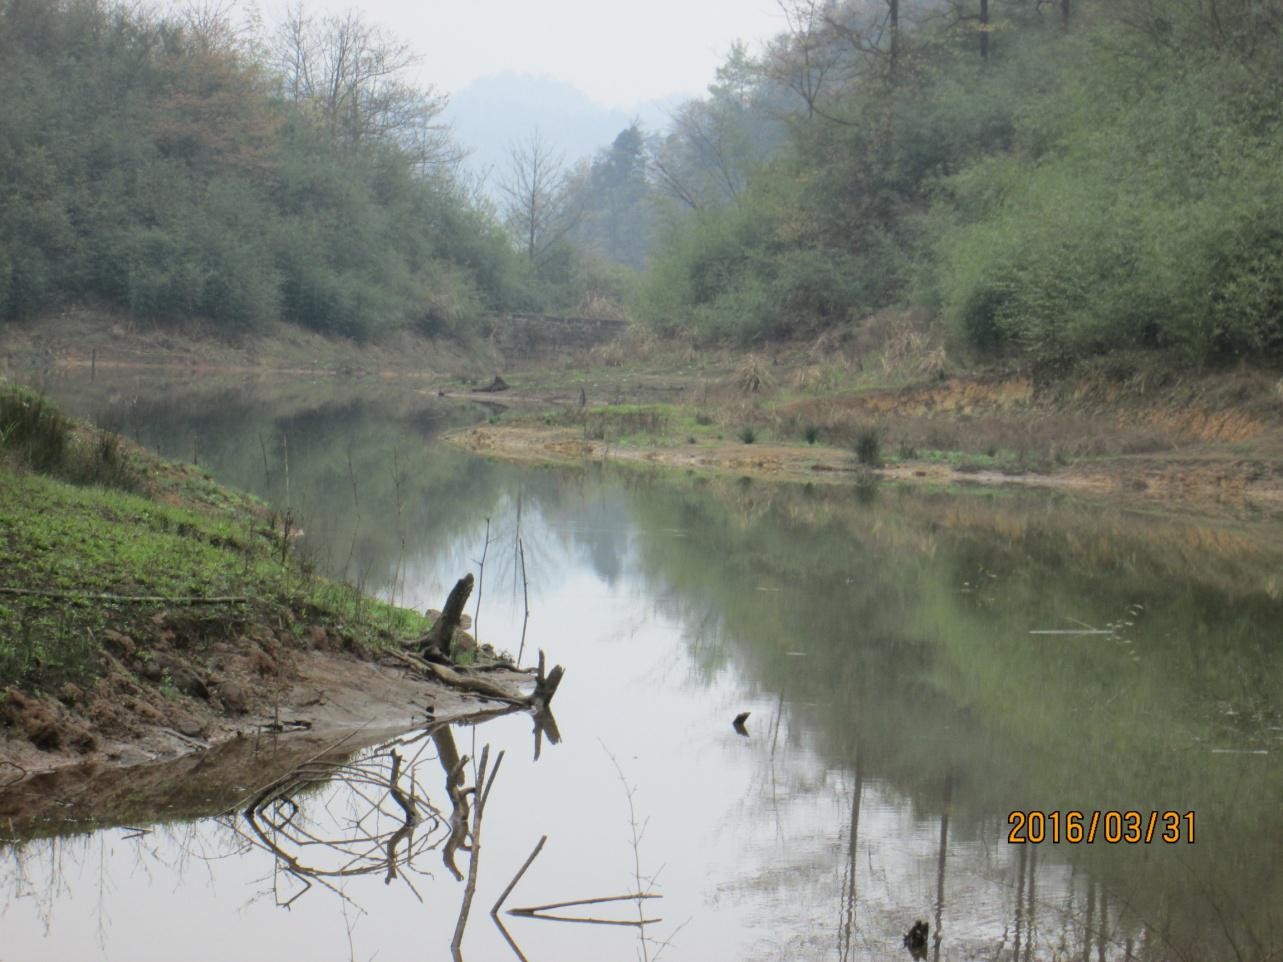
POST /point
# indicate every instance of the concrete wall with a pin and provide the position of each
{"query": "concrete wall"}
(538, 335)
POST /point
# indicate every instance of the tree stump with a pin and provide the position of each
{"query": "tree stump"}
(438, 643)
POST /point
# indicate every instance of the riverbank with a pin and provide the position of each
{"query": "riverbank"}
(147, 612)
(1130, 426)
(835, 411)
(83, 338)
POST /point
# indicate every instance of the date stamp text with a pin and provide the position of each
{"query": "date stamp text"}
(1113, 827)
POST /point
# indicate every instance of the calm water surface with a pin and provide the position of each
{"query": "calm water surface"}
(917, 665)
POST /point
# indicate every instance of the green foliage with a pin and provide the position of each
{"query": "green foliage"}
(868, 447)
(1111, 186)
(36, 436)
(196, 539)
(747, 434)
(155, 171)
(1145, 223)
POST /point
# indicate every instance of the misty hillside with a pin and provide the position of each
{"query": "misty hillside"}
(489, 114)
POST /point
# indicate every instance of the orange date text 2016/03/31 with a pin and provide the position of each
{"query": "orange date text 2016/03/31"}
(1113, 827)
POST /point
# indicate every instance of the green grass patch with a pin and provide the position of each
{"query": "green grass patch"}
(71, 550)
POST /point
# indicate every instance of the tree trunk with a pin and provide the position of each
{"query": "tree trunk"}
(895, 34)
(439, 639)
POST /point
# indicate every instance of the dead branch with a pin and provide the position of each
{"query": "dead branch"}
(537, 701)
(128, 599)
(452, 763)
(589, 920)
(474, 858)
(531, 910)
(517, 878)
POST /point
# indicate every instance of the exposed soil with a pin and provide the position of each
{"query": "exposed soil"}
(175, 696)
(1214, 443)
(84, 338)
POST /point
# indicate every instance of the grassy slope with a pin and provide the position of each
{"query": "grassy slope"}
(176, 535)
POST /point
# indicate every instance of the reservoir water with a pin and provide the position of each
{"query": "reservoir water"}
(918, 665)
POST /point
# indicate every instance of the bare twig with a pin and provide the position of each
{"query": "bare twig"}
(482, 793)
(589, 920)
(533, 909)
(481, 579)
(525, 595)
(517, 878)
(128, 599)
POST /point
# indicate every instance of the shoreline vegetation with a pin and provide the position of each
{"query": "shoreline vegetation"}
(848, 409)
(851, 406)
(147, 612)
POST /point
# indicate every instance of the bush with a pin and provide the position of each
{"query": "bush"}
(868, 447)
(32, 431)
(1146, 223)
(35, 435)
(747, 434)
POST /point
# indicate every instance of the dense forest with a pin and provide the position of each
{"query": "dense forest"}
(178, 166)
(1044, 180)
(1051, 180)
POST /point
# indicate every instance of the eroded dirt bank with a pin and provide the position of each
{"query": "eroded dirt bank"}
(254, 686)
(1211, 443)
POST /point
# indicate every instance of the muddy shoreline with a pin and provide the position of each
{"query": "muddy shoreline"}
(329, 703)
(1212, 483)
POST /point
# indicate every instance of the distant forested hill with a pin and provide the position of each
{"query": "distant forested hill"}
(1053, 180)
(179, 167)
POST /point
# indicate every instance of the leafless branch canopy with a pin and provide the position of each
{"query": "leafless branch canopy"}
(352, 77)
(539, 205)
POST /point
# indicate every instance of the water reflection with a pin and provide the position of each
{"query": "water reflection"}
(917, 665)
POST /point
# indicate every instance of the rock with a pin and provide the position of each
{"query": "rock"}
(184, 723)
(233, 698)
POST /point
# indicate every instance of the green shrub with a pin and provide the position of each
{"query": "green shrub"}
(868, 447)
(32, 430)
(35, 435)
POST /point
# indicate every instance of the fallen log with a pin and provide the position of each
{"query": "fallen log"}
(537, 700)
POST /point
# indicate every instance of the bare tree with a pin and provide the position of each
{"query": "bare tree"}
(352, 76)
(804, 57)
(706, 156)
(214, 25)
(539, 205)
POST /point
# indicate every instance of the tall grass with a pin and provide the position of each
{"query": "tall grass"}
(36, 436)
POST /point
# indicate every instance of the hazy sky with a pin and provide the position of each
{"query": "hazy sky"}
(619, 53)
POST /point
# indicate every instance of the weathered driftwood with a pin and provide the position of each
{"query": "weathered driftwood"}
(545, 686)
(434, 659)
(439, 641)
(537, 701)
